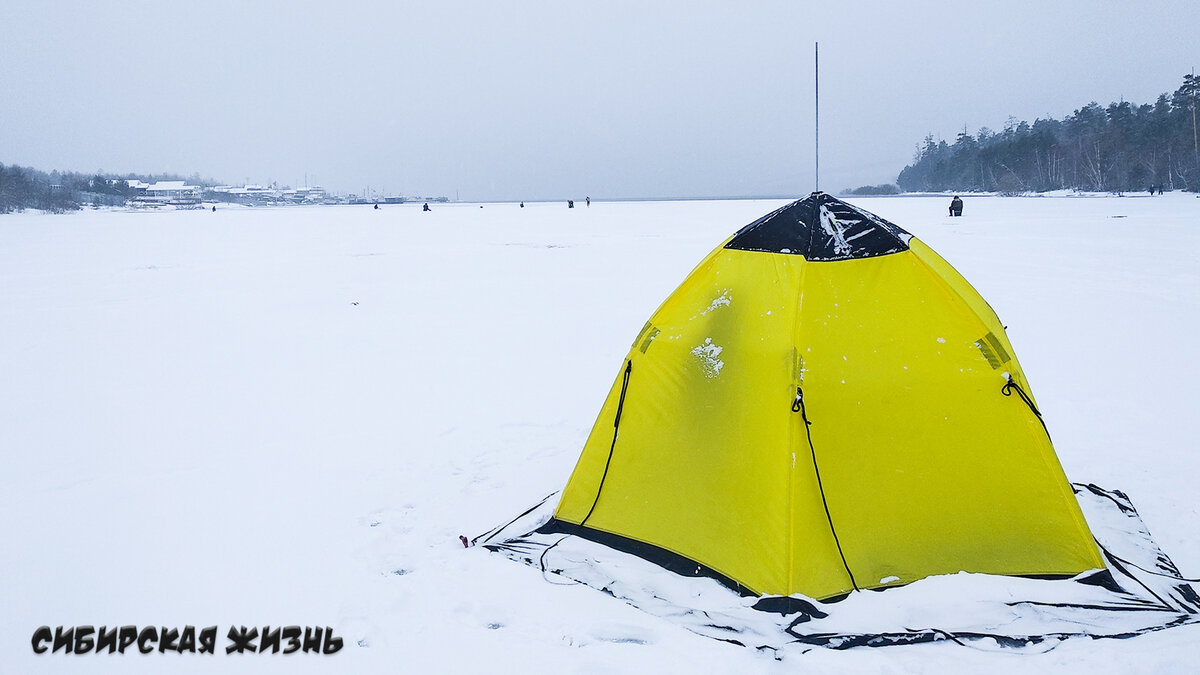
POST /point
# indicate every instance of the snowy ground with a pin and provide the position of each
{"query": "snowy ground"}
(288, 416)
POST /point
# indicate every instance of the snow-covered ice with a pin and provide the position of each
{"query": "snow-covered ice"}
(288, 416)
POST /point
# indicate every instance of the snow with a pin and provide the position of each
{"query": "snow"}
(709, 357)
(288, 416)
(836, 228)
(168, 185)
(721, 300)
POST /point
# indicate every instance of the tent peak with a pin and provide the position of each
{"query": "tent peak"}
(822, 228)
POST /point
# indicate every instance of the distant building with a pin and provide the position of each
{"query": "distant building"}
(250, 195)
(305, 195)
(175, 193)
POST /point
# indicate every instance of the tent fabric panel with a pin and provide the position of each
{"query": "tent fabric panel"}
(946, 274)
(703, 458)
(927, 468)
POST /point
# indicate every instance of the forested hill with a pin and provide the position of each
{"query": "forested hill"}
(1122, 147)
(25, 188)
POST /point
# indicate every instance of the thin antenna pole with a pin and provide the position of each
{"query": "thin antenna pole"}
(817, 105)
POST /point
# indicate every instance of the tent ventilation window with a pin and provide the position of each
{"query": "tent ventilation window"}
(649, 338)
(645, 337)
(993, 351)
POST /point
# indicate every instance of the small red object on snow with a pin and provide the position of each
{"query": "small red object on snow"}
(463, 539)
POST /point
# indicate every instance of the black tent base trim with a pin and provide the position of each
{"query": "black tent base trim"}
(687, 567)
(1142, 591)
(662, 557)
(1017, 642)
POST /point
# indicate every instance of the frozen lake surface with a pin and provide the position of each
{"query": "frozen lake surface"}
(288, 416)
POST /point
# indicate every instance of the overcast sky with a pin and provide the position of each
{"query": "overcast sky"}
(548, 100)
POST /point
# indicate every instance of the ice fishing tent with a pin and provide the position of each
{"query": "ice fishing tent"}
(825, 404)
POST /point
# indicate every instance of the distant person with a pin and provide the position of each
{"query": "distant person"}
(956, 206)
(522, 204)
(1160, 189)
(570, 203)
(589, 201)
(425, 206)
(214, 209)
(376, 207)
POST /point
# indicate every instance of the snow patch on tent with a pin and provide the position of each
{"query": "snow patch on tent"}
(897, 232)
(709, 356)
(720, 301)
(836, 228)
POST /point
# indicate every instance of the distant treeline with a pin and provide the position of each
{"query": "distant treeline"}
(1119, 148)
(24, 188)
(874, 190)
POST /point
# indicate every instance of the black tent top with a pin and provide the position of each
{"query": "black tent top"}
(822, 228)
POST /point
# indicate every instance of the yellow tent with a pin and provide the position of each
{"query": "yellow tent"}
(825, 405)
